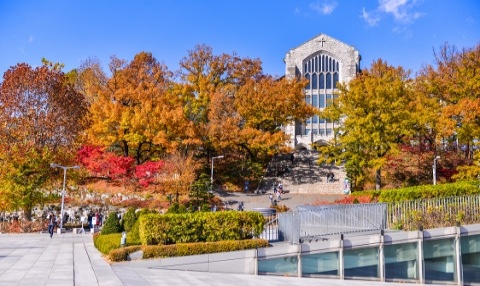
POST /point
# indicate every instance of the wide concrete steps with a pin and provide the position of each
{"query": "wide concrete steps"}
(305, 176)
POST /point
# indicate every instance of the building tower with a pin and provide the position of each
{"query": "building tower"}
(324, 61)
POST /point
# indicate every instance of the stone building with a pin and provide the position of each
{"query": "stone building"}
(324, 61)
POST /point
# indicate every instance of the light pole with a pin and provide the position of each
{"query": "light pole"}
(211, 175)
(53, 165)
(435, 170)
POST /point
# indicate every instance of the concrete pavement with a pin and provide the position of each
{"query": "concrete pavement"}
(71, 259)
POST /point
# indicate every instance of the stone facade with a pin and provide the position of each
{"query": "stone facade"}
(325, 61)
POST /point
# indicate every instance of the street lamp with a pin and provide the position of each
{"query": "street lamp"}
(211, 176)
(53, 165)
(435, 170)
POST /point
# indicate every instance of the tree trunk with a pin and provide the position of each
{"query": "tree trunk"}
(378, 179)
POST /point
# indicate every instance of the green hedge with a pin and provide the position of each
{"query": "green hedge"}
(157, 229)
(185, 249)
(423, 192)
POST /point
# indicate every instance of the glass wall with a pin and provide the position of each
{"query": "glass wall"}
(282, 266)
(439, 260)
(361, 262)
(401, 261)
(321, 264)
(471, 258)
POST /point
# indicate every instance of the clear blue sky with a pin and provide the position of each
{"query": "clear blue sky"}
(401, 32)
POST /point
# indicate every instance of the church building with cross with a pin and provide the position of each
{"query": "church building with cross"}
(324, 62)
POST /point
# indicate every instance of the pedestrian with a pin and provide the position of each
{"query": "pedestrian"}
(52, 221)
(279, 195)
(240, 206)
(271, 198)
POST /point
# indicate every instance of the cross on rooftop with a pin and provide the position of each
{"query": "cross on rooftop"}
(322, 41)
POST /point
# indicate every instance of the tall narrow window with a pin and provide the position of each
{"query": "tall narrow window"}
(314, 81)
(307, 76)
(321, 98)
(322, 81)
(335, 80)
(329, 81)
(315, 100)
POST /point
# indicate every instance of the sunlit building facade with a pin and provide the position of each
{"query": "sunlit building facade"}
(324, 61)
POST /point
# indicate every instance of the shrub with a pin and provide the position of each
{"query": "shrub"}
(107, 242)
(112, 225)
(121, 254)
(129, 219)
(184, 249)
(199, 226)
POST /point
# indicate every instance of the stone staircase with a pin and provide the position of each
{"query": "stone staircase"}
(303, 175)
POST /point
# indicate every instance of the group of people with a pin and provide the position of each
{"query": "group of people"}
(277, 191)
(94, 220)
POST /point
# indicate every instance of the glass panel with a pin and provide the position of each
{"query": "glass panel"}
(323, 64)
(284, 265)
(321, 264)
(335, 80)
(329, 131)
(329, 64)
(307, 76)
(314, 81)
(315, 100)
(322, 120)
(333, 65)
(338, 67)
(315, 131)
(362, 262)
(321, 131)
(329, 100)
(401, 261)
(305, 70)
(316, 64)
(329, 80)
(471, 258)
(321, 100)
(315, 119)
(307, 130)
(439, 259)
(322, 81)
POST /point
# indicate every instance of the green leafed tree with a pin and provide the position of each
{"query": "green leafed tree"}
(376, 113)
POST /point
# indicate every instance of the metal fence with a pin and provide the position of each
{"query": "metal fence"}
(432, 213)
(316, 221)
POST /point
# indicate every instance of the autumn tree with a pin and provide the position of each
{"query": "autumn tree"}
(376, 113)
(136, 112)
(41, 118)
(453, 81)
(237, 110)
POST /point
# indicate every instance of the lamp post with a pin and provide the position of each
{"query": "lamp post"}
(435, 170)
(211, 175)
(65, 168)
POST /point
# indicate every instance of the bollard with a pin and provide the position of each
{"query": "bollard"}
(123, 240)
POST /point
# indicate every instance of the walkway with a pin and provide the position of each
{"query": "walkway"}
(71, 259)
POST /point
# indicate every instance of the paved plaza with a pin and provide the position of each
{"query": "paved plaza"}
(71, 259)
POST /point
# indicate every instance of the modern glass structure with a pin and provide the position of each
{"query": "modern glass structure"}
(439, 256)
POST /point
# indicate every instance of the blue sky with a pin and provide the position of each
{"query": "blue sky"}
(401, 32)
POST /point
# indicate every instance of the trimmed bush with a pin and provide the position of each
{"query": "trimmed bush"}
(199, 227)
(129, 219)
(121, 254)
(107, 242)
(185, 249)
(112, 225)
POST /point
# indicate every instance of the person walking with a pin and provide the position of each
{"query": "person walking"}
(52, 221)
